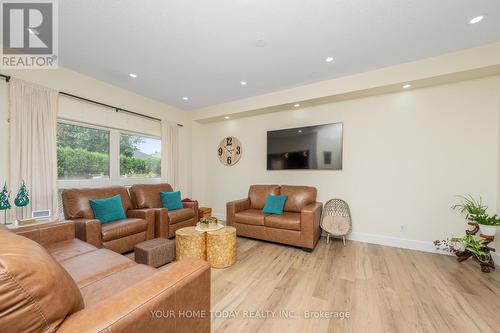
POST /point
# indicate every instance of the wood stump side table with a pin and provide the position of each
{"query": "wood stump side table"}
(190, 243)
(221, 247)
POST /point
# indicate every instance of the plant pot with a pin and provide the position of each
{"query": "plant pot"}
(488, 230)
(459, 246)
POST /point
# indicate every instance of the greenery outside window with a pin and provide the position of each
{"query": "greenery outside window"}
(140, 156)
(92, 155)
(82, 152)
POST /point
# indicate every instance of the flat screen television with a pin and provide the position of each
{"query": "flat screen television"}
(312, 147)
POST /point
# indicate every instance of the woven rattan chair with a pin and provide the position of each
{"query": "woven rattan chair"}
(336, 219)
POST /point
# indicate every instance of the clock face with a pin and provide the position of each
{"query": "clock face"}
(229, 151)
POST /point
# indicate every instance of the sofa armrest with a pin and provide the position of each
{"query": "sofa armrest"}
(310, 217)
(145, 214)
(174, 299)
(194, 206)
(49, 233)
(234, 207)
(88, 230)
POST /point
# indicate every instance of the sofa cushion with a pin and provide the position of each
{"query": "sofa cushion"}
(289, 221)
(274, 204)
(258, 194)
(68, 249)
(36, 293)
(108, 209)
(250, 216)
(298, 197)
(114, 283)
(171, 200)
(180, 215)
(148, 195)
(122, 228)
(76, 200)
(96, 265)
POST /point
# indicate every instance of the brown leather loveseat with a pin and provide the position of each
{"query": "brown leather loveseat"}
(120, 236)
(298, 226)
(147, 196)
(52, 282)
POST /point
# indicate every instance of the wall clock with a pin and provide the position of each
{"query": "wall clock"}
(229, 151)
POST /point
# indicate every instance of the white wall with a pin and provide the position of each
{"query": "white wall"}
(81, 85)
(406, 155)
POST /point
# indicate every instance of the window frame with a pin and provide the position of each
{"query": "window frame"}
(115, 178)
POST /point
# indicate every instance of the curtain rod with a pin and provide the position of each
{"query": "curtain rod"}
(117, 109)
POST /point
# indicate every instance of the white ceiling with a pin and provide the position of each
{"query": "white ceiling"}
(203, 49)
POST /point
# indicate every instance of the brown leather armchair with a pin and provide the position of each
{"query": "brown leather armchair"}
(298, 226)
(52, 282)
(147, 196)
(120, 236)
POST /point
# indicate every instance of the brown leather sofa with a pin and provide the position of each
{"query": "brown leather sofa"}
(120, 236)
(298, 226)
(147, 196)
(52, 282)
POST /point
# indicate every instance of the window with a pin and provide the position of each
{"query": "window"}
(82, 152)
(89, 155)
(140, 156)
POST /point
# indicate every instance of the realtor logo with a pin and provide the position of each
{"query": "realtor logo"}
(29, 34)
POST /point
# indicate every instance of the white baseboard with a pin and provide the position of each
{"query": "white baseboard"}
(405, 244)
(394, 242)
(402, 243)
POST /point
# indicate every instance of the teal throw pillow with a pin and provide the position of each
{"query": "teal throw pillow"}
(274, 204)
(108, 209)
(171, 200)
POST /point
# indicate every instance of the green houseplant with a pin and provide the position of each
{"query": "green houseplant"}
(487, 224)
(476, 247)
(470, 206)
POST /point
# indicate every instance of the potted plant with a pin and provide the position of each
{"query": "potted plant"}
(487, 224)
(470, 244)
(471, 207)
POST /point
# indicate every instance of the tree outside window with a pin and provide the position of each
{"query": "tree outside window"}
(82, 152)
(140, 157)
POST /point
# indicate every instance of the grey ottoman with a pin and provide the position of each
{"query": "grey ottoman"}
(155, 252)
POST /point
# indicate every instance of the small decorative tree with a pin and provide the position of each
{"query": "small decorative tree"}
(4, 202)
(22, 198)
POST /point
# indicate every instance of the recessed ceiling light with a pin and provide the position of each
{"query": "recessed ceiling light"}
(243, 83)
(185, 98)
(296, 105)
(300, 131)
(476, 19)
(329, 59)
(133, 75)
(226, 117)
(407, 86)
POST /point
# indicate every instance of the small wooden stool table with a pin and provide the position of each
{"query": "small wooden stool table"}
(155, 252)
(221, 247)
(190, 243)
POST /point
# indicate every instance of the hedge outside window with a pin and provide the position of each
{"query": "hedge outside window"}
(140, 156)
(82, 152)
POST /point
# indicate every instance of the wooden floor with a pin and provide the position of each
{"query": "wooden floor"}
(382, 289)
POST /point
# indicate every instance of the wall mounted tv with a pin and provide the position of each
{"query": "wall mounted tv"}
(313, 147)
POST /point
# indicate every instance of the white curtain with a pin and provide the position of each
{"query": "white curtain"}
(33, 157)
(170, 153)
